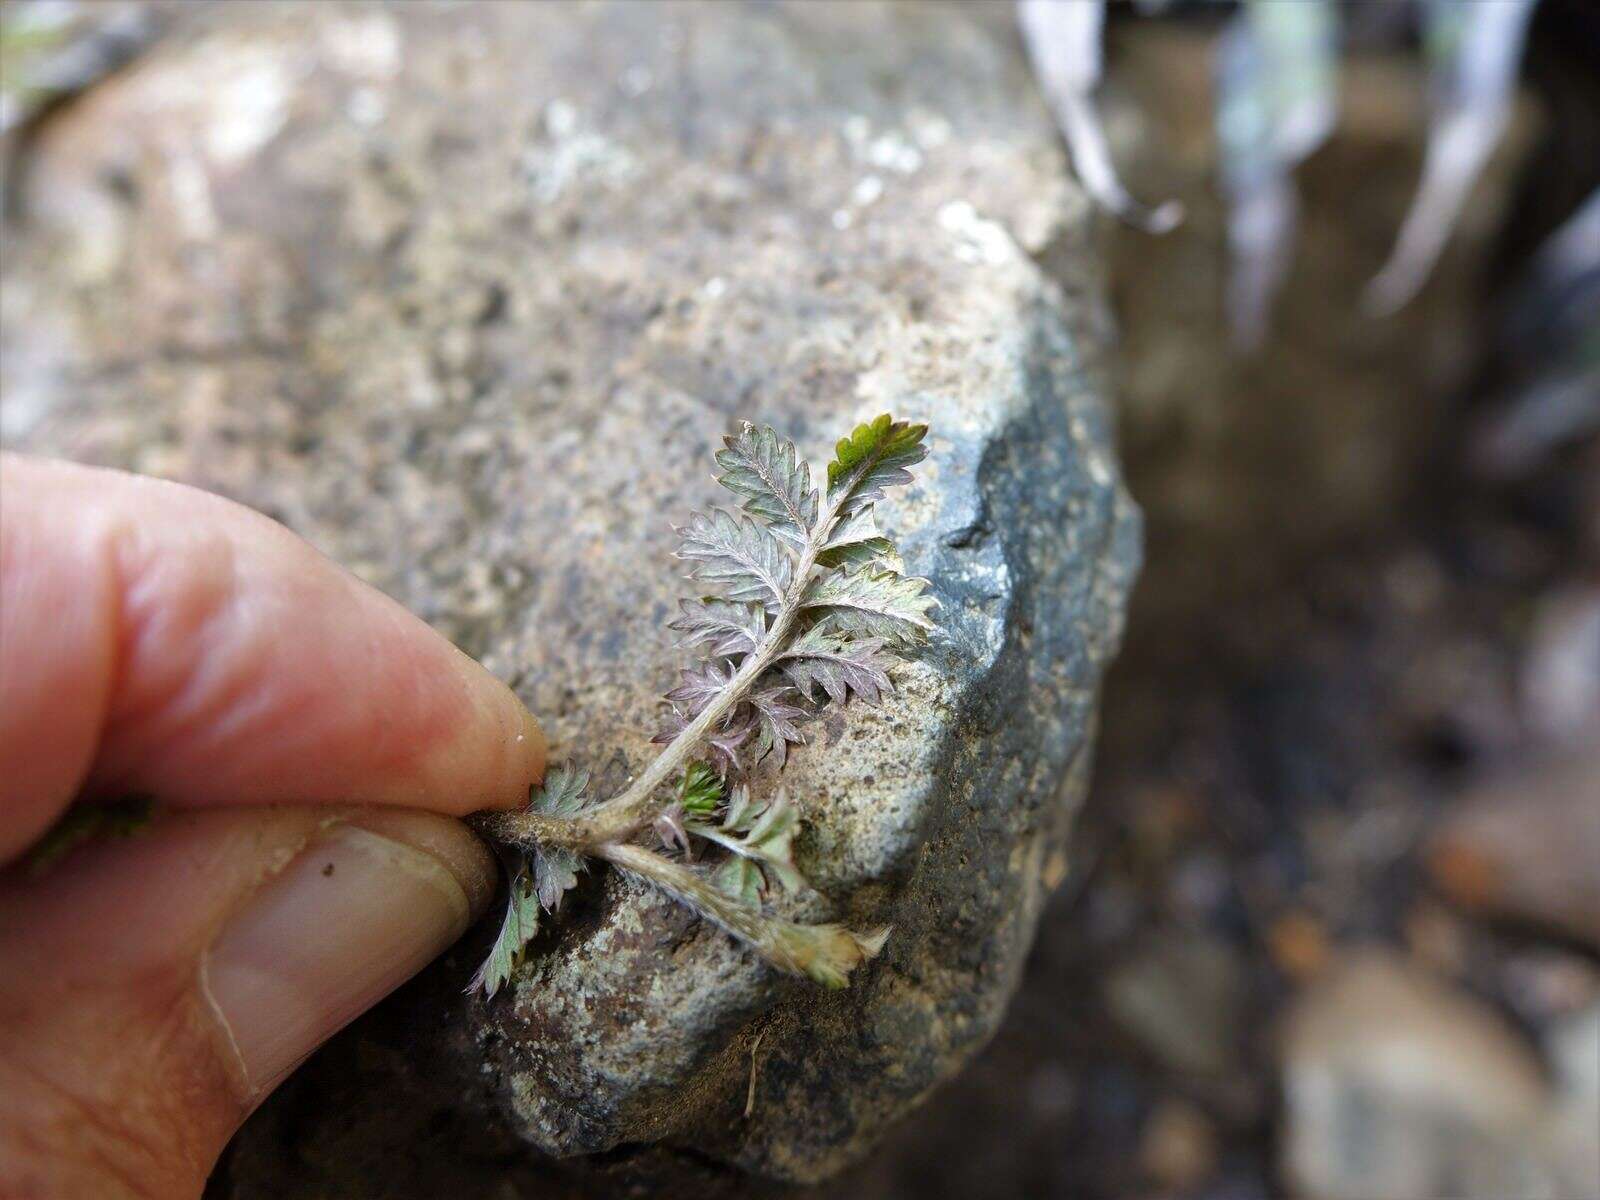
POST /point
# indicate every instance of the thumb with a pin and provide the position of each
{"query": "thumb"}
(152, 991)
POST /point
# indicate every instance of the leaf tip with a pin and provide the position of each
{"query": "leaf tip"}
(830, 953)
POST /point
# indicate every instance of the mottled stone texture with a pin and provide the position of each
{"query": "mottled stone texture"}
(467, 296)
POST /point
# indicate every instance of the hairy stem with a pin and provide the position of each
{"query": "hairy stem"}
(631, 810)
(686, 885)
(827, 953)
(526, 828)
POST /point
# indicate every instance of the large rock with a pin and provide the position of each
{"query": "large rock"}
(467, 296)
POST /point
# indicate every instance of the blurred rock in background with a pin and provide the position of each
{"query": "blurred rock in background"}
(1527, 848)
(1397, 1084)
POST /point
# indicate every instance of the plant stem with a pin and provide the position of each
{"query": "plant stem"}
(625, 814)
(678, 881)
(827, 953)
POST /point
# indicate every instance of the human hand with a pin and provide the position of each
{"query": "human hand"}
(159, 641)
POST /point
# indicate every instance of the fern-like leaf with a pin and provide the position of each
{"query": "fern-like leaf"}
(807, 604)
(837, 664)
(876, 455)
(698, 686)
(721, 627)
(872, 602)
(760, 835)
(774, 482)
(516, 931)
(737, 554)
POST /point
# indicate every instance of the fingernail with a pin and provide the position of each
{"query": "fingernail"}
(531, 739)
(354, 915)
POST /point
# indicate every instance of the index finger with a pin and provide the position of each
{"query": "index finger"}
(156, 639)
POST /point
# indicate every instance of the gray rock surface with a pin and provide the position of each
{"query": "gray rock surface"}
(467, 296)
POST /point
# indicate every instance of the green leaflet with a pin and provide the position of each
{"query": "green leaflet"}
(875, 456)
(740, 878)
(700, 790)
(865, 553)
(516, 931)
(761, 836)
(562, 794)
(855, 542)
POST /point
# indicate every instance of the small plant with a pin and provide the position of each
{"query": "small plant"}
(808, 611)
